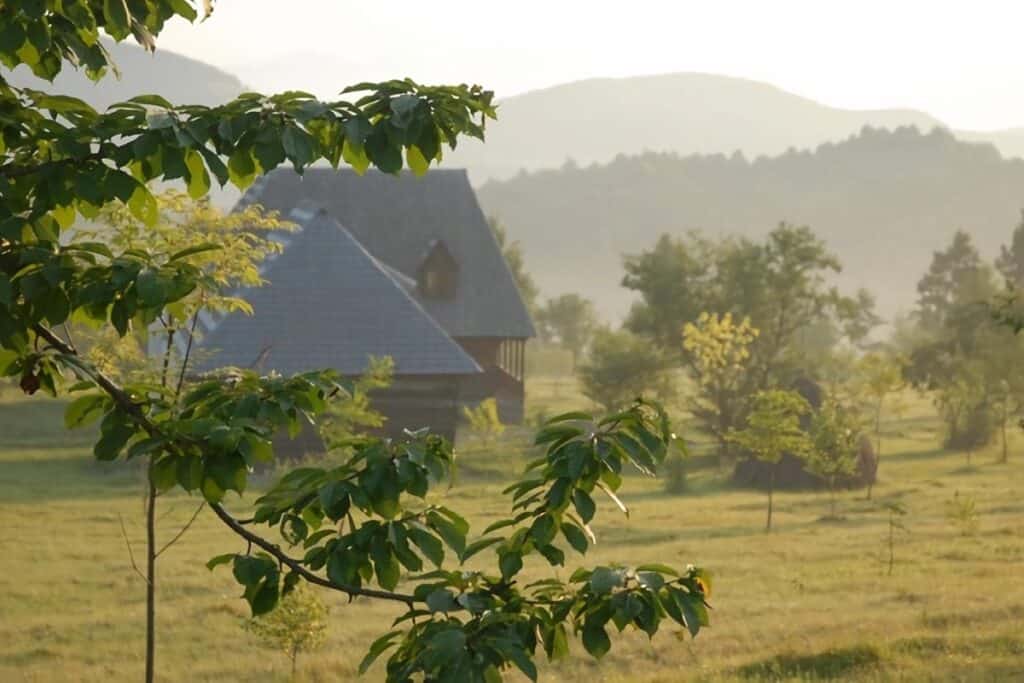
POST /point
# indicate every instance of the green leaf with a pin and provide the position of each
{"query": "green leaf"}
(584, 504)
(219, 560)
(543, 530)
(143, 205)
(522, 660)
(298, 146)
(510, 563)
(355, 156)
(417, 162)
(164, 473)
(604, 579)
(428, 545)
(198, 177)
(476, 546)
(241, 168)
(116, 18)
(376, 649)
(660, 568)
(576, 538)
(442, 600)
(193, 250)
(595, 639)
(449, 531)
(84, 410)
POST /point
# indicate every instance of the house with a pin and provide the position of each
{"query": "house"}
(383, 265)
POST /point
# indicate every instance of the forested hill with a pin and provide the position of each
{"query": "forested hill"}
(179, 79)
(884, 201)
(687, 113)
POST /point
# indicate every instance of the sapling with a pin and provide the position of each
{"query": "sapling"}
(896, 513)
(298, 625)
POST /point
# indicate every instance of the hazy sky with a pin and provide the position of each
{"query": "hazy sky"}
(960, 61)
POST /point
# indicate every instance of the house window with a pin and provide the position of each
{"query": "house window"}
(438, 273)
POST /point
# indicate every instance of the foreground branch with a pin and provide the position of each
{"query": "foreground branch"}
(124, 401)
(296, 566)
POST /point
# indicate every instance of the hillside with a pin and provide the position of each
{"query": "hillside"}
(688, 113)
(179, 79)
(883, 200)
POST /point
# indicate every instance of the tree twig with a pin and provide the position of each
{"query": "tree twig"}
(131, 555)
(296, 566)
(188, 354)
(183, 529)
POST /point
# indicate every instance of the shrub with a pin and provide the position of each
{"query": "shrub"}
(962, 512)
(675, 474)
(484, 421)
(297, 625)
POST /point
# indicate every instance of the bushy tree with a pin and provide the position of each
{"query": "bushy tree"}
(835, 445)
(61, 159)
(570, 321)
(717, 351)
(622, 366)
(962, 354)
(780, 285)
(772, 430)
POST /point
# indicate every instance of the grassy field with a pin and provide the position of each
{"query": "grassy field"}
(811, 601)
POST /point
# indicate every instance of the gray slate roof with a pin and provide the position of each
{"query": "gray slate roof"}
(330, 304)
(397, 218)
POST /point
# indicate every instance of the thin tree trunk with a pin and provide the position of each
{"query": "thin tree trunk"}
(1005, 453)
(771, 489)
(891, 532)
(878, 449)
(150, 580)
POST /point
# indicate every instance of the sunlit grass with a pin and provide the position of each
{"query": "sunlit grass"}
(810, 601)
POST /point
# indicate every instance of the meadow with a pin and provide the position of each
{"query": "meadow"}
(811, 601)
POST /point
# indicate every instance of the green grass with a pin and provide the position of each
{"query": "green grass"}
(810, 601)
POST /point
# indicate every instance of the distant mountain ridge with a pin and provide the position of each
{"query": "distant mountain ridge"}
(182, 80)
(882, 200)
(687, 113)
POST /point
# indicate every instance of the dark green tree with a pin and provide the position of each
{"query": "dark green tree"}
(1010, 262)
(570, 321)
(60, 160)
(622, 366)
(513, 253)
(962, 353)
(779, 284)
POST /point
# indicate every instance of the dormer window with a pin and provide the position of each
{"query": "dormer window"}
(438, 274)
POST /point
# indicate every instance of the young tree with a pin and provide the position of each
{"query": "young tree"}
(622, 366)
(717, 350)
(571, 321)
(835, 438)
(1010, 262)
(59, 159)
(296, 626)
(484, 421)
(513, 253)
(880, 378)
(772, 430)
